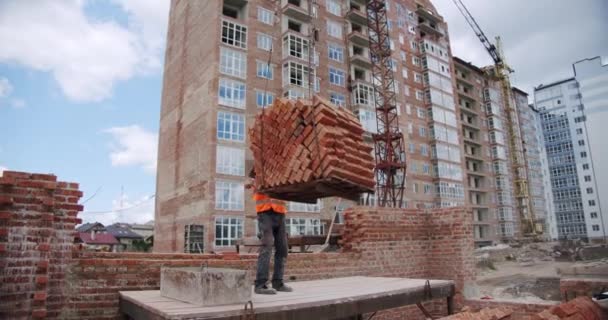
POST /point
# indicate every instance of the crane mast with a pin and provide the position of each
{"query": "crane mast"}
(388, 142)
(517, 152)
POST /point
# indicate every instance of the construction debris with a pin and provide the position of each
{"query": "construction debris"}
(308, 150)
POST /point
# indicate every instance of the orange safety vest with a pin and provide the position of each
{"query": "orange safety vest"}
(265, 203)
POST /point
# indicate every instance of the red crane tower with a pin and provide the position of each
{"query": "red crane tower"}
(388, 142)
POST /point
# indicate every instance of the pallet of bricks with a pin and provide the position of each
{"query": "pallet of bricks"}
(304, 150)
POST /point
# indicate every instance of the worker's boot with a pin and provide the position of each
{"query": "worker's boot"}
(264, 290)
(282, 287)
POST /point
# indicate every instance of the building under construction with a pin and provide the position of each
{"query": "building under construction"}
(228, 59)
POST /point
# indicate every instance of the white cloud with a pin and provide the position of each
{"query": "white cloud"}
(540, 42)
(2, 169)
(85, 56)
(5, 87)
(18, 103)
(134, 145)
(139, 210)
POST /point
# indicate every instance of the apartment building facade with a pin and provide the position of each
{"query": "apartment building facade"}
(571, 171)
(532, 150)
(488, 168)
(592, 76)
(227, 59)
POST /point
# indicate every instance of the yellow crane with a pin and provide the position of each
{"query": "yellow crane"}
(501, 72)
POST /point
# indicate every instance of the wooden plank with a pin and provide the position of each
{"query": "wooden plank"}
(318, 299)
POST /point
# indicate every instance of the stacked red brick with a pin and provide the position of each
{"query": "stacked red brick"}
(304, 151)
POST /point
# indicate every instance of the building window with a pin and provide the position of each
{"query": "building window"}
(583, 154)
(228, 230)
(263, 99)
(194, 238)
(265, 15)
(333, 7)
(587, 178)
(585, 166)
(368, 121)
(596, 227)
(264, 41)
(234, 34)
(230, 126)
(295, 74)
(364, 95)
(592, 203)
(304, 207)
(336, 52)
(581, 142)
(589, 190)
(421, 113)
(579, 131)
(233, 63)
(593, 215)
(424, 150)
(422, 131)
(337, 99)
(296, 46)
(336, 77)
(264, 70)
(419, 95)
(334, 29)
(229, 195)
(303, 226)
(428, 188)
(230, 161)
(418, 77)
(232, 93)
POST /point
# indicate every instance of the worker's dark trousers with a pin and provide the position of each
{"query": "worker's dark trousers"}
(272, 233)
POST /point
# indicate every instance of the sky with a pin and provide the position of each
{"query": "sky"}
(81, 80)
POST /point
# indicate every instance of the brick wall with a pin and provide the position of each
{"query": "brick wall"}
(520, 311)
(37, 220)
(38, 231)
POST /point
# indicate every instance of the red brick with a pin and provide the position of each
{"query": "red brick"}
(5, 215)
(39, 314)
(42, 279)
(44, 247)
(43, 264)
(40, 296)
(6, 199)
(44, 177)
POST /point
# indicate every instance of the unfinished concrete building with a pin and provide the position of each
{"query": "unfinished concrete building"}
(486, 150)
(217, 77)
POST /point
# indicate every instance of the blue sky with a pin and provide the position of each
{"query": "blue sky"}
(80, 82)
(80, 97)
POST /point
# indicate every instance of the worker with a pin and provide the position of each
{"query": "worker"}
(271, 230)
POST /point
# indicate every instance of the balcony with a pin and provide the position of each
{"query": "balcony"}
(236, 3)
(357, 16)
(362, 94)
(296, 9)
(472, 140)
(471, 125)
(359, 38)
(360, 61)
(427, 14)
(430, 28)
(477, 157)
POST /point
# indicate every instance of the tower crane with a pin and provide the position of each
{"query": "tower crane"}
(501, 73)
(388, 142)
